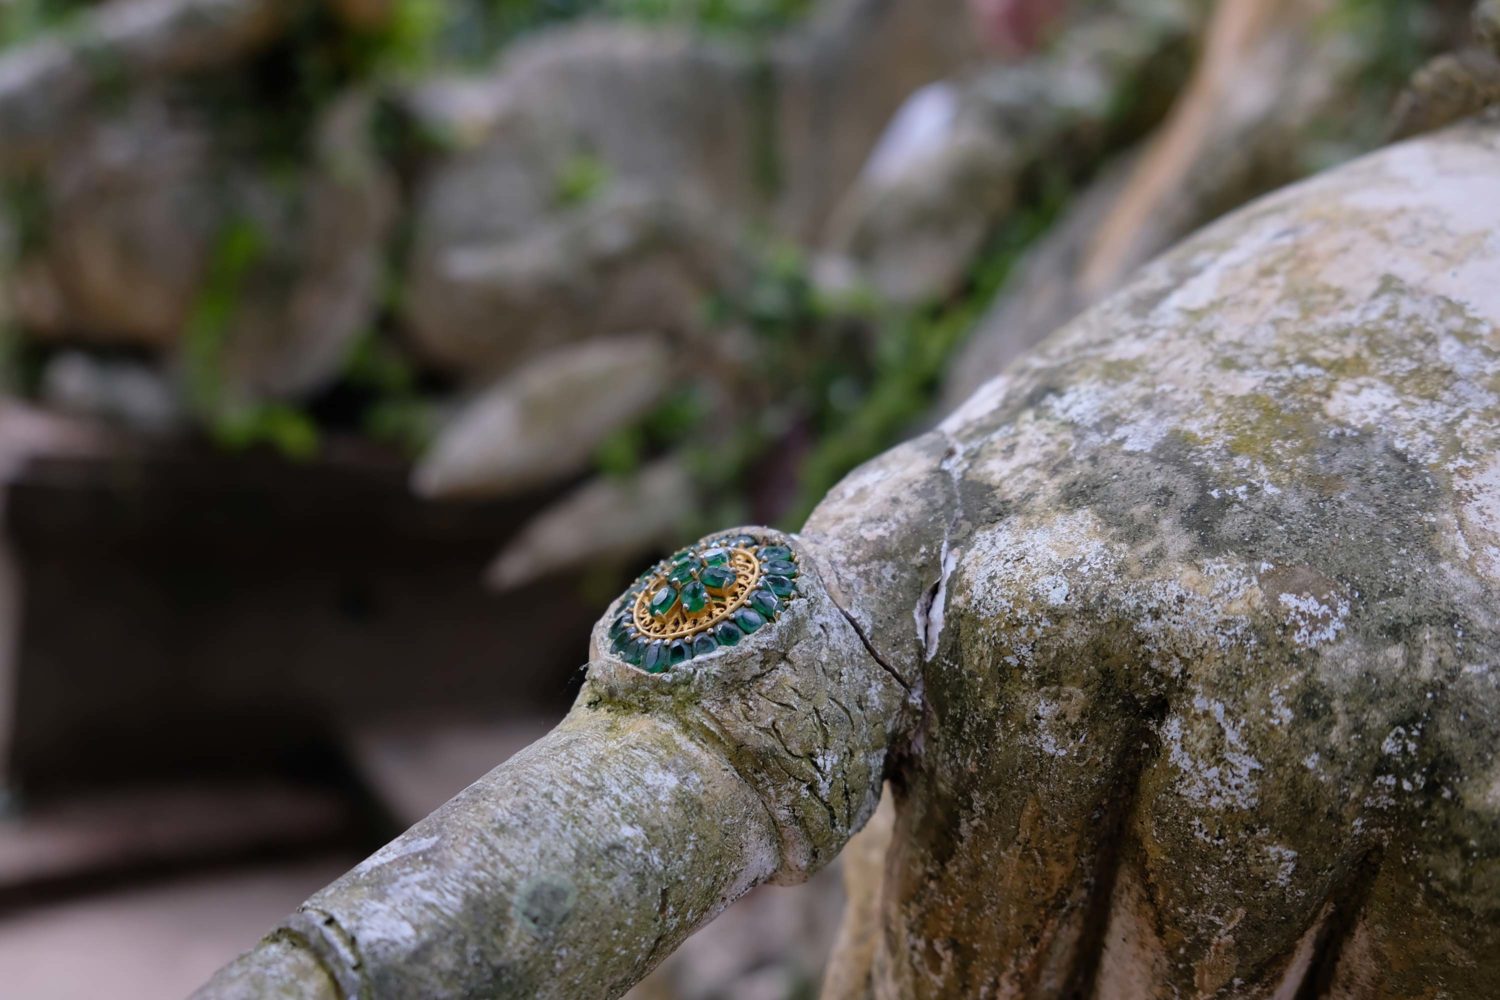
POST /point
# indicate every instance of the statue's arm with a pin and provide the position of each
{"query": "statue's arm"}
(575, 867)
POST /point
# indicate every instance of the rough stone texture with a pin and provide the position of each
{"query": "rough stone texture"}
(1176, 644)
(1209, 705)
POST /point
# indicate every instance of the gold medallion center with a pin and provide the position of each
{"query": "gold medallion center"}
(678, 622)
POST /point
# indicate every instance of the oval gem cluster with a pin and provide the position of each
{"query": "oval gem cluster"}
(702, 598)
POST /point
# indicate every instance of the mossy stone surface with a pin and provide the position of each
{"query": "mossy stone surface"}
(1203, 597)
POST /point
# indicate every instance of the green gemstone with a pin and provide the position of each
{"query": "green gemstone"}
(780, 567)
(727, 634)
(657, 658)
(683, 572)
(780, 586)
(694, 598)
(765, 602)
(634, 651)
(704, 644)
(718, 578)
(678, 652)
(748, 620)
(742, 542)
(663, 601)
(768, 553)
(718, 556)
(618, 626)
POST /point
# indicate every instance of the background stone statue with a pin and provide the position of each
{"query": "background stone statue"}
(1175, 645)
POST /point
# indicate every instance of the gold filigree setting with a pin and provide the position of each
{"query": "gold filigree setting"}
(702, 599)
(678, 622)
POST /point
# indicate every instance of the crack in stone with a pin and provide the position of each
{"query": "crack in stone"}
(847, 714)
(822, 726)
(860, 632)
(319, 932)
(301, 942)
(932, 605)
(869, 648)
(779, 704)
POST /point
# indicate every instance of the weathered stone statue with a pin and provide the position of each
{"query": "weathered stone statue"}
(1177, 646)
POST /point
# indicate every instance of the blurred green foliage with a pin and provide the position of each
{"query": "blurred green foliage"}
(23, 199)
(731, 16)
(234, 422)
(392, 409)
(235, 252)
(1397, 38)
(472, 31)
(22, 20)
(1397, 32)
(582, 179)
(911, 355)
(832, 380)
(285, 428)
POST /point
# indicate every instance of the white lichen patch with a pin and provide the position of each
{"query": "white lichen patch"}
(1430, 393)
(1479, 516)
(1215, 768)
(1285, 861)
(1018, 463)
(1059, 722)
(1280, 712)
(1400, 741)
(1314, 621)
(1444, 184)
(1100, 412)
(1008, 566)
(1206, 607)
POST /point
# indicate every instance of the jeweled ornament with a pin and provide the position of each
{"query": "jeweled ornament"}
(703, 599)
